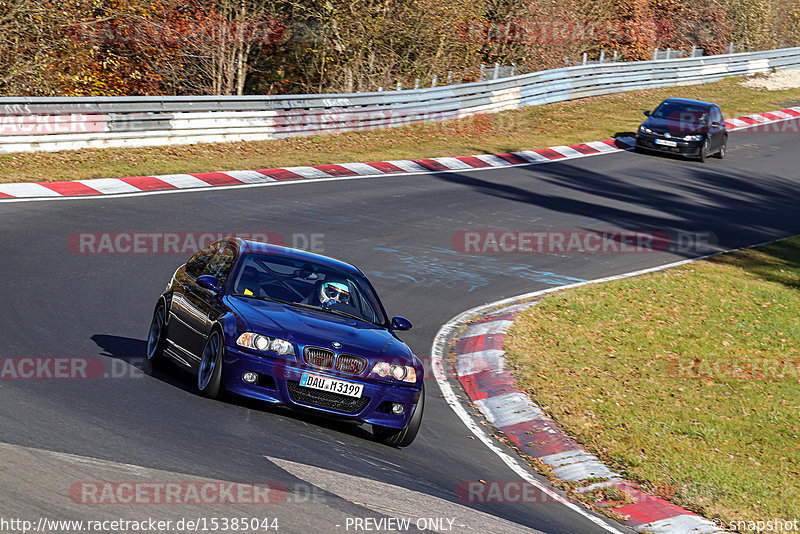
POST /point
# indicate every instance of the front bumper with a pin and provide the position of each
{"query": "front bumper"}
(682, 147)
(278, 382)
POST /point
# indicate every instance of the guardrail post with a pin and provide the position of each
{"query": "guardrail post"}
(513, 69)
(694, 49)
(399, 86)
(435, 80)
(585, 58)
(483, 70)
(602, 55)
(655, 53)
(667, 56)
(450, 77)
(380, 89)
(496, 73)
(416, 83)
(616, 55)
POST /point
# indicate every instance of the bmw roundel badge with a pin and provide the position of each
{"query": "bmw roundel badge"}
(337, 345)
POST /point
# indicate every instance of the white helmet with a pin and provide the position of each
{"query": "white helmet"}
(334, 292)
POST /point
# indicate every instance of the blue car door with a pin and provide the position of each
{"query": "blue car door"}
(180, 324)
(203, 306)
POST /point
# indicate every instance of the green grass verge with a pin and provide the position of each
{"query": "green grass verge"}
(588, 119)
(687, 380)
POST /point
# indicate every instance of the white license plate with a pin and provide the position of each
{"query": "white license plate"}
(330, 384)
(665, 142)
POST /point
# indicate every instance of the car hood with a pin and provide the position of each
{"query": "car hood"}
(304, 326)
(675, 128)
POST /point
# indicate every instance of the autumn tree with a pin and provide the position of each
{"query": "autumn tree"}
(786, 22)
(363, 44)
(751, 24)
(141, 47)
(535, 35)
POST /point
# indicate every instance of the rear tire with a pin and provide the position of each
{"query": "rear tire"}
(156, 338)
(402, 437)
(209, 375)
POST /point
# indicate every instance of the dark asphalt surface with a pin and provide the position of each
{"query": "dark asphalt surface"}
(398, 230)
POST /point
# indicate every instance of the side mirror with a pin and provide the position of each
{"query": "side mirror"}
(401, 323)
(646, 113)
(209, 282)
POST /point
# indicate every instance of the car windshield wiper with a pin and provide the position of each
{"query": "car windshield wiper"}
(343, 314)
(332, 311)
(329, 310)
(268, 299)
(308, 306)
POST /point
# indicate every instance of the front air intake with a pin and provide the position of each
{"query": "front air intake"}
(318, 357)
(351, 364)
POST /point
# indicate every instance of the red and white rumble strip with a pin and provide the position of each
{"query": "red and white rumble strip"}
(479, 366)
(166, 182)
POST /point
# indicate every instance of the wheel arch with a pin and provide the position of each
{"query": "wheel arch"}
(229, 325)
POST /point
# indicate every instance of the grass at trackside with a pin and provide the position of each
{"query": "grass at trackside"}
(687, 380)
(587, 119)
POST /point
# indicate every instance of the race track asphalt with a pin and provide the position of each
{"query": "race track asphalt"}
(399, 230)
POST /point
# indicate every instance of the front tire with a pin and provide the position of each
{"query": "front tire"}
(723, 149)
(156, 338)
(209, 375)
(402, 437)
(703, 151)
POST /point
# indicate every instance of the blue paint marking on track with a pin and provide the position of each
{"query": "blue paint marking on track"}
(300, 212)
(434, 266)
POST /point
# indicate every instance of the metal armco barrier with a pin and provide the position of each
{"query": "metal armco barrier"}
(38, 124)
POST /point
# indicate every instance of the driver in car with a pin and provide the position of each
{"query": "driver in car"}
(331, 293)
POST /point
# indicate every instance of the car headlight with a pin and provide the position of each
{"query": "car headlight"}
(645, 129)
(265, 343)
(404, 373)
(693, 138)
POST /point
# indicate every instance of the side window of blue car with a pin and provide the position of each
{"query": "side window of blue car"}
(198, 263)
(221, 262)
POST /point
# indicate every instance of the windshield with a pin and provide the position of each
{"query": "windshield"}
(679, 112)
(309, 285)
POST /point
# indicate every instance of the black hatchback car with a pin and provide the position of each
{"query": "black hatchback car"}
(691, 128)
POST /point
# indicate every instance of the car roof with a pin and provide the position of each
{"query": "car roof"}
(690, 101)
(246, 245)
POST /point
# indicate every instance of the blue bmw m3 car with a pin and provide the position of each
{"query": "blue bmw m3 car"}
(290, 327)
